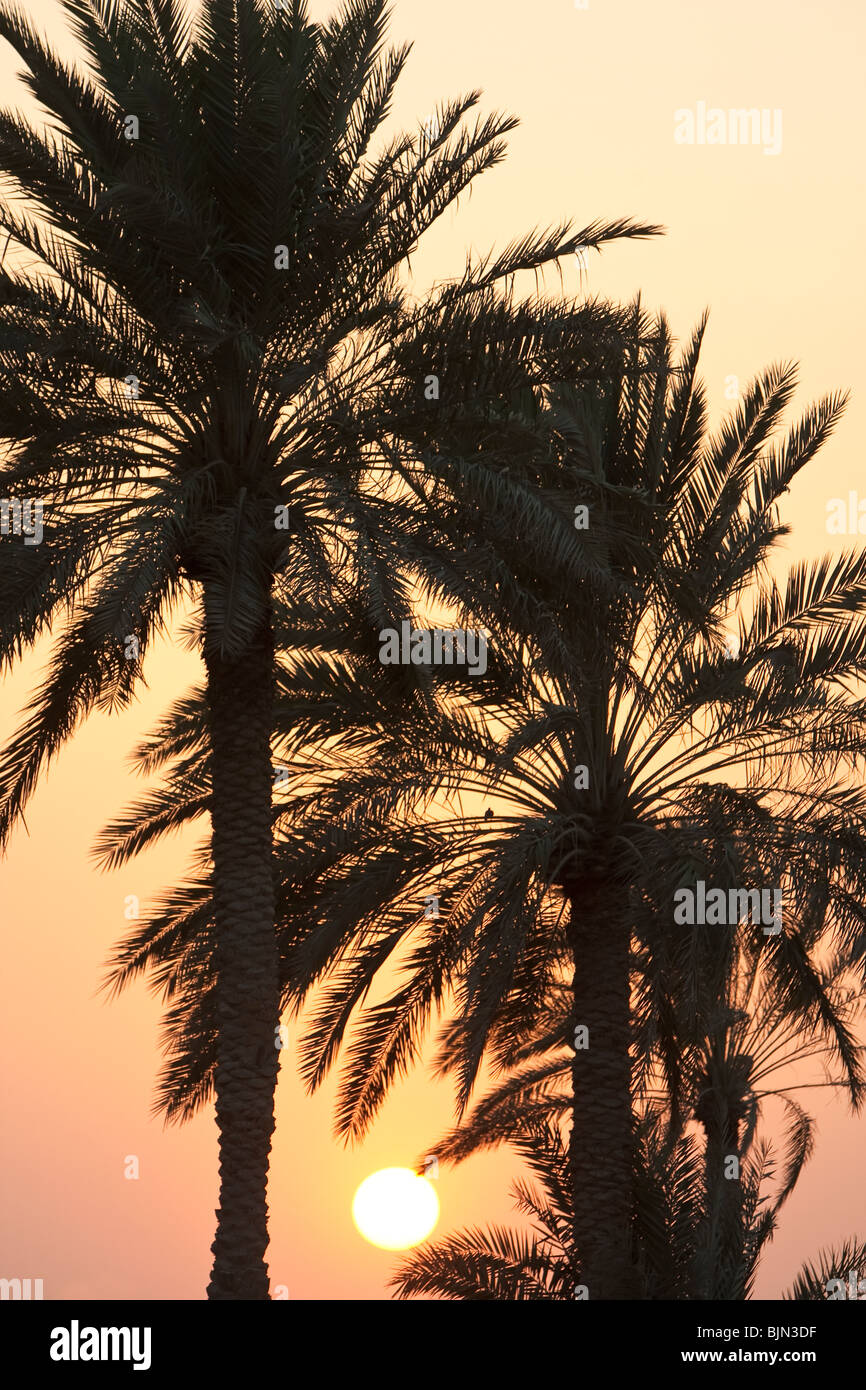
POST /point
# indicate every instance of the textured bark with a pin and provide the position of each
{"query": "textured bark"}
(721, 1265)
(600, 1146)
(241, 696)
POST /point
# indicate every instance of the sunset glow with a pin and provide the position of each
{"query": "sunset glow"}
(431, 722)
(395, 1208)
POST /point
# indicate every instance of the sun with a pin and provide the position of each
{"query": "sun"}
(395, 1208)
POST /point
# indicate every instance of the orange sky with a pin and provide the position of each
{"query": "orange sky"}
(772, 245)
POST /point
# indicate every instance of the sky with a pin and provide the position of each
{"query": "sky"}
(771, 243)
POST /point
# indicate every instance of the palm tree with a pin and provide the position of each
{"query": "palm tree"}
(205, 339)
(497, 1263)
(632, 759)
(670, 1205)
(689, 1238)
(626, 757)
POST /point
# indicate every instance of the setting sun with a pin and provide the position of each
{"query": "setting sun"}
(395, 1208)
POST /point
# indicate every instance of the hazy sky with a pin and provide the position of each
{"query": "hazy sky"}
(772, 244)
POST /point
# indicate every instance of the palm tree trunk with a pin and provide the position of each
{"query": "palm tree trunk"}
(247, 990)
(721, 1254)
(600, 1147)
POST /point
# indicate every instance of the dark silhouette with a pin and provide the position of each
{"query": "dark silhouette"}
(206, 351)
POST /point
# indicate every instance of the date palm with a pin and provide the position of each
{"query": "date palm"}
(671, 1204)
(204, 339)
(634, 758)
(626, 755)
(690, 1238)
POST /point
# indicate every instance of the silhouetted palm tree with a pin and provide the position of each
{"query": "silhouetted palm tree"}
(603, 745)
(689, 1239)
(204, 340)
(497, 1263)
(635, 757)
(671, 1204)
